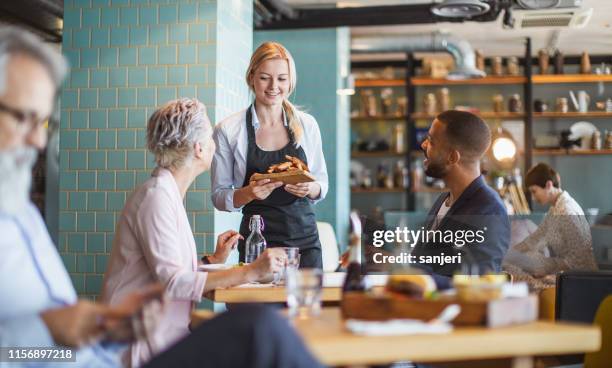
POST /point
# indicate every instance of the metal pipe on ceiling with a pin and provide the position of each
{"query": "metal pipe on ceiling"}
(461, 50)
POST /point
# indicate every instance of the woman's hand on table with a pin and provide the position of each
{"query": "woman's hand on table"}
(226, 242)
(311, 189)
(270, 261)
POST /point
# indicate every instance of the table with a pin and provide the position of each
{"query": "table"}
(266, 293)
(332, 345)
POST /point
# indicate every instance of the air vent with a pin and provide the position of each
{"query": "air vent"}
(572, 18)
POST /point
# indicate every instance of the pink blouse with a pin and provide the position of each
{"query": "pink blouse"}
(154, 243)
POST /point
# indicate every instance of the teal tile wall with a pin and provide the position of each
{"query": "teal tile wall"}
(127, 57)
(322, 56)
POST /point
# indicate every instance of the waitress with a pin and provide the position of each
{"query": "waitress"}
(252, 140)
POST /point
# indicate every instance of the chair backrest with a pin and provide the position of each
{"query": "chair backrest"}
(329, 246)
(603, 318)
(579, 294)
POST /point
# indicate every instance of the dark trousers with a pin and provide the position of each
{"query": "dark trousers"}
(252, 336)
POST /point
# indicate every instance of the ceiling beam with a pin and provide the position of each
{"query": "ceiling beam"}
(362, 16)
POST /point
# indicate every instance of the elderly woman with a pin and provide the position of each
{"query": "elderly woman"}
(154, 242)
(562, 241)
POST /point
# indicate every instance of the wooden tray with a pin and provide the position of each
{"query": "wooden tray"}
(496, 313)
(289, 177)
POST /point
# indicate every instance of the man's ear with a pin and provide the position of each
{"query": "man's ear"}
(454, 157)
(549, 184)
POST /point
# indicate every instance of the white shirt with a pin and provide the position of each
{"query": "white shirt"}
(440, 215)
(229, 163)
(33, 279)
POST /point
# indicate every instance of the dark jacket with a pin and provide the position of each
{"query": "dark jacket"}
(479, 208)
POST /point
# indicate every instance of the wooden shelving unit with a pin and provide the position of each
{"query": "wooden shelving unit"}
(570, 78)
(482, 114)
(562, 152)
(572, 114)
(378, 190)
(380, 83)
(390, 118)
(424, 81)
(377, 154)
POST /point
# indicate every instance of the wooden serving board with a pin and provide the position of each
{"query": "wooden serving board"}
(289, 177)
(495, 313)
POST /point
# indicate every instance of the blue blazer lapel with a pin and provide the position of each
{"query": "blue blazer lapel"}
(462, 200)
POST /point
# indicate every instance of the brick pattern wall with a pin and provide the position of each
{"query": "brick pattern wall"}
(127, 57)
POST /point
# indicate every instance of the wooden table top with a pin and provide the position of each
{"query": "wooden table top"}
(333, 345)
(266, 293)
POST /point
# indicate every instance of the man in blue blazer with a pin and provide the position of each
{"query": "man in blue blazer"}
(470, 221)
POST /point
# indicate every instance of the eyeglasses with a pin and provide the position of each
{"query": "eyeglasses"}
(24, 117)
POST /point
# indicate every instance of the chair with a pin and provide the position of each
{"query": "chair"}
(603, 318)
(547, 304)
(579, 294)
(329, 246)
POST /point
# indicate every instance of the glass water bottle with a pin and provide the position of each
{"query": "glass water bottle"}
(255, 243)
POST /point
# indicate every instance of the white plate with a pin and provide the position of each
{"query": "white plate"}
(214, 267)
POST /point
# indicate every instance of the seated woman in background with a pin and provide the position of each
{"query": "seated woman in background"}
(562, 241)
(154, 242)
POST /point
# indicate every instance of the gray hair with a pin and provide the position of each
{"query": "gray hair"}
(174, 129)
(15, 41)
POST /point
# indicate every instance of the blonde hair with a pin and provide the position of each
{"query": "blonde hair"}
(274, 50)
(174, 129)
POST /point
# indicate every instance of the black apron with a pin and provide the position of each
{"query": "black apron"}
(289, 221)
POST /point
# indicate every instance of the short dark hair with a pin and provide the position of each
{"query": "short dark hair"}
(540, 174)
(466, 132)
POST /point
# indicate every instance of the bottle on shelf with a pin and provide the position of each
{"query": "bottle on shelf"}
(400, 175)
(354, 280)
(398, 139)
(558, 62)
(416, 176)
(255, 243)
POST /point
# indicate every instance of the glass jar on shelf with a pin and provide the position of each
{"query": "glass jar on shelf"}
(430, 104)
(402, 106)
(514, 103)
(368, 103)
(498, 103)
(443, 99)
(386, 96)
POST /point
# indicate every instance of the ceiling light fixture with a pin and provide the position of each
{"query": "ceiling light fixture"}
(460, 8)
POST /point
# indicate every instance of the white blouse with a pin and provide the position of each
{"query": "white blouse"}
(229, 163)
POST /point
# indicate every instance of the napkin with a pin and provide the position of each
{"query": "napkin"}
(396, 327)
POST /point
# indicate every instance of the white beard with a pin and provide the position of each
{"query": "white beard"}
(16, 178)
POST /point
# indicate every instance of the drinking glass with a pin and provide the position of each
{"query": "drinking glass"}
(293, 261)
(304, 288)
